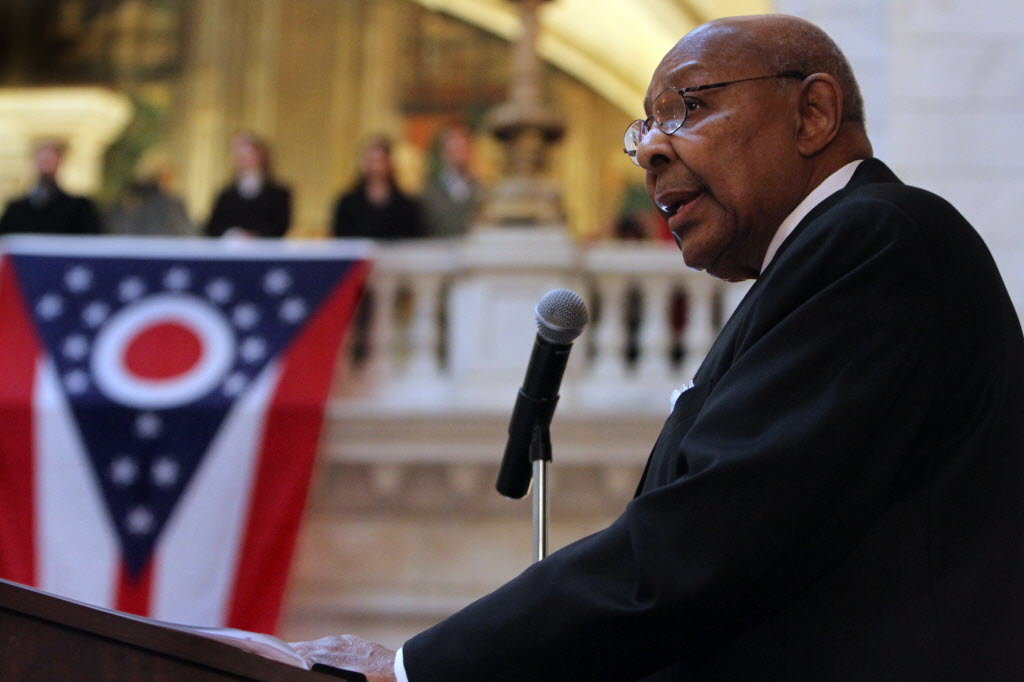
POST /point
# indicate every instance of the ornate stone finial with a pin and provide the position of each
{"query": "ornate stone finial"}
(526, 126)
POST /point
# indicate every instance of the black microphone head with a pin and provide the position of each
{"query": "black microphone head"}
(561, 316)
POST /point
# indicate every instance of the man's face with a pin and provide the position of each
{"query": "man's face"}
(247, 156)
(724, 179)
(458, 148)
(376, 162)
(47, 160)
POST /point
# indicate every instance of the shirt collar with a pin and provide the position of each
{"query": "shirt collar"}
(827, 188)
(250, 184)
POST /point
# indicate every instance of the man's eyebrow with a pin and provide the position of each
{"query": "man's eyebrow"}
(685, 66)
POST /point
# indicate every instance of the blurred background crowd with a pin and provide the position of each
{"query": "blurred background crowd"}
(255, 203)
(309, 118)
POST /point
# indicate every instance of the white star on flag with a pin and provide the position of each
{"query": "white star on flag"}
(123, 471)
(139, 521)
(148, 426)
(50, 306)
(78, 279)
(76, 381)
(293, 310)
(130, 289)
(253, 349)
(220, 290)
(277, 281)
(95, 313)
(245, 316)
(164, 472)
(234, 384)
(75, 347)
(177, 279)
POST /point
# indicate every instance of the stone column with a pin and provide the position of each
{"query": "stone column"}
(203, 108)
(526, 126)
(379, 98)
(261, 75)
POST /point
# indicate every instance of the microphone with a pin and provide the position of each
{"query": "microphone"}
(561, 316)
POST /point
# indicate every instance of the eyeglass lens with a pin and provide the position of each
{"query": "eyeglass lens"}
(669, 111)
(631, 140)
(669, 114)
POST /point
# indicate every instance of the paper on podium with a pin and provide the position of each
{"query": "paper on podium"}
(257, 643)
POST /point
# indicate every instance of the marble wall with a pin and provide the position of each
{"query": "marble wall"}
(943, 82)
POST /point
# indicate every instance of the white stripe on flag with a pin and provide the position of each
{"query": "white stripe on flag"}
(198, 550)
(77, 550)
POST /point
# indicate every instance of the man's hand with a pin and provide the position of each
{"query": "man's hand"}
(351, 653)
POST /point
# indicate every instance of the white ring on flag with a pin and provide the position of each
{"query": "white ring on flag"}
(216, 352)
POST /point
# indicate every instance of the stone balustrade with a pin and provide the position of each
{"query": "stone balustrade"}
(653, 321)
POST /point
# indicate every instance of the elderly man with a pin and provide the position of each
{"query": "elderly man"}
(840, 495)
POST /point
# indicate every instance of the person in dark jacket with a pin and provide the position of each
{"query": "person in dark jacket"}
(48, 209)
(254, 204)
(837, 494)
(375, 206)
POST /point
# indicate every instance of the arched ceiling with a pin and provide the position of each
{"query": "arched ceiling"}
(612, 46)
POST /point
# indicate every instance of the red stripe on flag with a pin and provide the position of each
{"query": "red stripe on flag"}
(134, 592)
(17, 382)
(291, 435)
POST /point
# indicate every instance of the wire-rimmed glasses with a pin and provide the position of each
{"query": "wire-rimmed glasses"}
(671, 106)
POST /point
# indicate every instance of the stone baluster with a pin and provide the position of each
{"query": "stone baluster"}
(655, 334)
(382, 341)
(424, 334)
(609, 364)
(732, 295)
(699, 333)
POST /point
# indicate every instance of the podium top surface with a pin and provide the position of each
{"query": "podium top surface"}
(83, 623)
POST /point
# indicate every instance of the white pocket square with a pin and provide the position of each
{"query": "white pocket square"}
(676, 393)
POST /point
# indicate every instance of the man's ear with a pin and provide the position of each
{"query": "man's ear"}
(821, 113)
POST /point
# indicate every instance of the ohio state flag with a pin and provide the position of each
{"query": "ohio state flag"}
(161, 404)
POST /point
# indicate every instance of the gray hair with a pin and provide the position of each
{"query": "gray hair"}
(783, 43)
(810, 50)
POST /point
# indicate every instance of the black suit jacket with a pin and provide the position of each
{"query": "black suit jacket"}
(840, 496)
(63, 213)
(268, 214)
(355, 216)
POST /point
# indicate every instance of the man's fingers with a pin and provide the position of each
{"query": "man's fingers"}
(351, 653)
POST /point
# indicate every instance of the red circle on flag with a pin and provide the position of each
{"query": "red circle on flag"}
(162, 351)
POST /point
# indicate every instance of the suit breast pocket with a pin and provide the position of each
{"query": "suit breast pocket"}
(666, 463)
(687, 406)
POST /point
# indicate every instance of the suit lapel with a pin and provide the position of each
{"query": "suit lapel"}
(871, 171)
(663, 464)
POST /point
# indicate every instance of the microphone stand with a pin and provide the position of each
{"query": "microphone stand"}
(540, 455)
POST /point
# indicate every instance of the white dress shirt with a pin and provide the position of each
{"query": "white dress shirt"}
(827, 188)
(400, 667)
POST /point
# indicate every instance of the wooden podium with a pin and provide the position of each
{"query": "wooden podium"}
(43, 637)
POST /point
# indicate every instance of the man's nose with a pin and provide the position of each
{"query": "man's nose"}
(654, 150)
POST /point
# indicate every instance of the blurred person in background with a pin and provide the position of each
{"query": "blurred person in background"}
(452, 195)
(48, 209)
(149, 207)
(375, 207)
(254, 204)
(637, 220)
